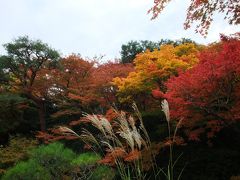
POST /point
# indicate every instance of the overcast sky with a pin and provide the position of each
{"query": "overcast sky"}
(97, 27)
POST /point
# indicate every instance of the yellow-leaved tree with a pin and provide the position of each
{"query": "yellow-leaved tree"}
(152, 69)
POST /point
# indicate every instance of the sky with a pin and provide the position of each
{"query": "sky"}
(98, 27)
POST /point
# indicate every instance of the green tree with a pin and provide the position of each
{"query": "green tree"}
(17, 114)
(3, 76)
(23, 64)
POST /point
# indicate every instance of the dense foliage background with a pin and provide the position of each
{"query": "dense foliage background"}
(41, 94)
(164, 110)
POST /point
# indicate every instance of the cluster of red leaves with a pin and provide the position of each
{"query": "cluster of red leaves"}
(111, 115)
(119, 153)
(122, 154)
(132, 156)
(54, 134)
(101, 81)
(65, 112)
(176, 140)
(158, 94)
(207, 97)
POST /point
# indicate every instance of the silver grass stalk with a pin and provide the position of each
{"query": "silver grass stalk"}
(106, 125)
(108, 145)
(66, 130)
(142, 127)
(123, 121)
(87, 136)
(132, 122)
(127, 135)
(137, 138)
(165, 109)
(95, 122)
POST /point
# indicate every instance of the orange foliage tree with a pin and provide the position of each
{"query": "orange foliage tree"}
(83, 85)
(72, 85)
(86, 85)
(102, 81)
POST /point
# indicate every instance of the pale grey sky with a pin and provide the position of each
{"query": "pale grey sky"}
(97, 27)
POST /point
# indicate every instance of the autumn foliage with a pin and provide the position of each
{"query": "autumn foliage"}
(195, 88)
(200, 83)
(88, 81)
(152, 69)
(202, 11)
(101, 80)
(206, 97)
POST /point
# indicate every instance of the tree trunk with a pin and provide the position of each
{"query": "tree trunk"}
(41, 110)
(41, 114)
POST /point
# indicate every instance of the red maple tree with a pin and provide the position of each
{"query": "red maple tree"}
(207, 97)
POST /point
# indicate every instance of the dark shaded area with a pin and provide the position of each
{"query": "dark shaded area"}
(200, 161)
(18, 115)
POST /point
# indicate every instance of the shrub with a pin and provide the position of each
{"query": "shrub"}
(55, 158)
(86, 159)
(15, 151)
(27, 171)
(56, 162)
(102, 173)
(87, 167)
